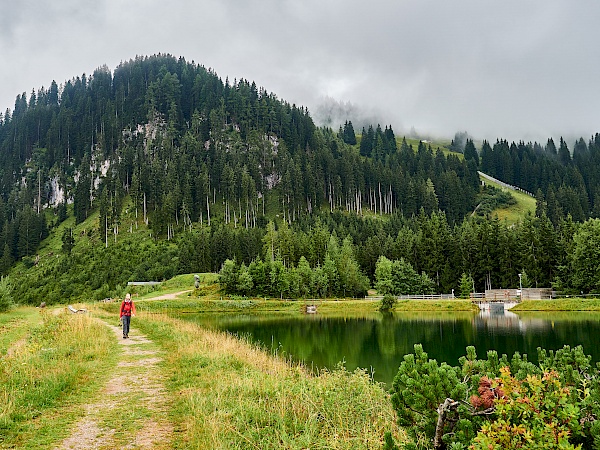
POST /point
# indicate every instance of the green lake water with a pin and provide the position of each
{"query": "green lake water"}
(378, 342)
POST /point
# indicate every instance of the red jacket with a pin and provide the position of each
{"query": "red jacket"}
(127, 308)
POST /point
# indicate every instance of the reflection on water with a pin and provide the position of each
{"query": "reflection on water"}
(378, 342)
(498, 320)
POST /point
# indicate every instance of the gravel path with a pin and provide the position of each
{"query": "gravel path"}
(131, 410)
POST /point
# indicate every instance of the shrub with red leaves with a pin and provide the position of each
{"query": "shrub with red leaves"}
(488, 391)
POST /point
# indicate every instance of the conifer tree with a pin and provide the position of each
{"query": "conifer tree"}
(367, 141)
(564, 155)
(68, 242)
(465, 286)
(349, 137)
(6, 261)
(470, 152)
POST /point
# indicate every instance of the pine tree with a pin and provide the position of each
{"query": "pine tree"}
(551, 148)
(349, 137)
(6, 261)
(486, 158)
(81, 198)
(367, 141)
(470, 152)
(540, 204)
(465, 286)
(68, 242)
(564, 156)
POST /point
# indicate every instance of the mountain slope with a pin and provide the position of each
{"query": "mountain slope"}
(161, 168)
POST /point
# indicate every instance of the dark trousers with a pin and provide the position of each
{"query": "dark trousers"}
(126, 322)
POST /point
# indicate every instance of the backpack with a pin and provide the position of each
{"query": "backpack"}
(127, 308)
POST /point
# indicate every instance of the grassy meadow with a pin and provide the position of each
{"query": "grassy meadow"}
(514, 213)
(561, 304)
(52, 364)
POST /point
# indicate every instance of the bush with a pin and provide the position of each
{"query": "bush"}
(28, 262)
(534, 413)
(388, 302)
(499, 403)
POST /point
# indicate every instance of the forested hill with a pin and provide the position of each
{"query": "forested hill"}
(564, 182)
(219, 170)
(177, 139)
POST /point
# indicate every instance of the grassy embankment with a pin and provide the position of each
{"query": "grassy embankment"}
(231, 394)
(514, 213)
(561, 304)
(347, 307)
(209, 299)
(51, 365)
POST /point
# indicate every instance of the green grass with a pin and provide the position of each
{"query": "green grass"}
(435, 305)
(563, 304)
(45, 382)
(230, 395)
(435, 144)
(176, 284)
(15, 326)
(357, 307)
(515, 213)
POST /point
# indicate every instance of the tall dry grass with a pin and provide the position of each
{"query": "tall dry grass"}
(233, 395)
(57, 367)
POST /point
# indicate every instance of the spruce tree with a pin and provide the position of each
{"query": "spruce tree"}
(564, 156)
(349, 137)
(470, 152)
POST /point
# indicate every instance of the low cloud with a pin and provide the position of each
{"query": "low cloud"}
(516, 70)
(332, 113)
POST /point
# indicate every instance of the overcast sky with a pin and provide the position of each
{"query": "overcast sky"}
(513, 69)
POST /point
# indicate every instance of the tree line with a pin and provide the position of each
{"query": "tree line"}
(564, 182)
(422, 254)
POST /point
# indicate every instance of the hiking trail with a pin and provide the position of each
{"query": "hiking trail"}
(131, 410)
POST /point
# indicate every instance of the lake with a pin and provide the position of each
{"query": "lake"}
(378, 342)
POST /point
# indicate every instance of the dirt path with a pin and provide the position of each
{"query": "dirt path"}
(171, 296)
(131, 411)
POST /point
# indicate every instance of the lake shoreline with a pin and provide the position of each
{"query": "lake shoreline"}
(350, 306)
(559, 304)
(209, 298)
(295, 307)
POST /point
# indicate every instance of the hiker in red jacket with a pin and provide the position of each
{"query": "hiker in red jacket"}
(127, 310)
